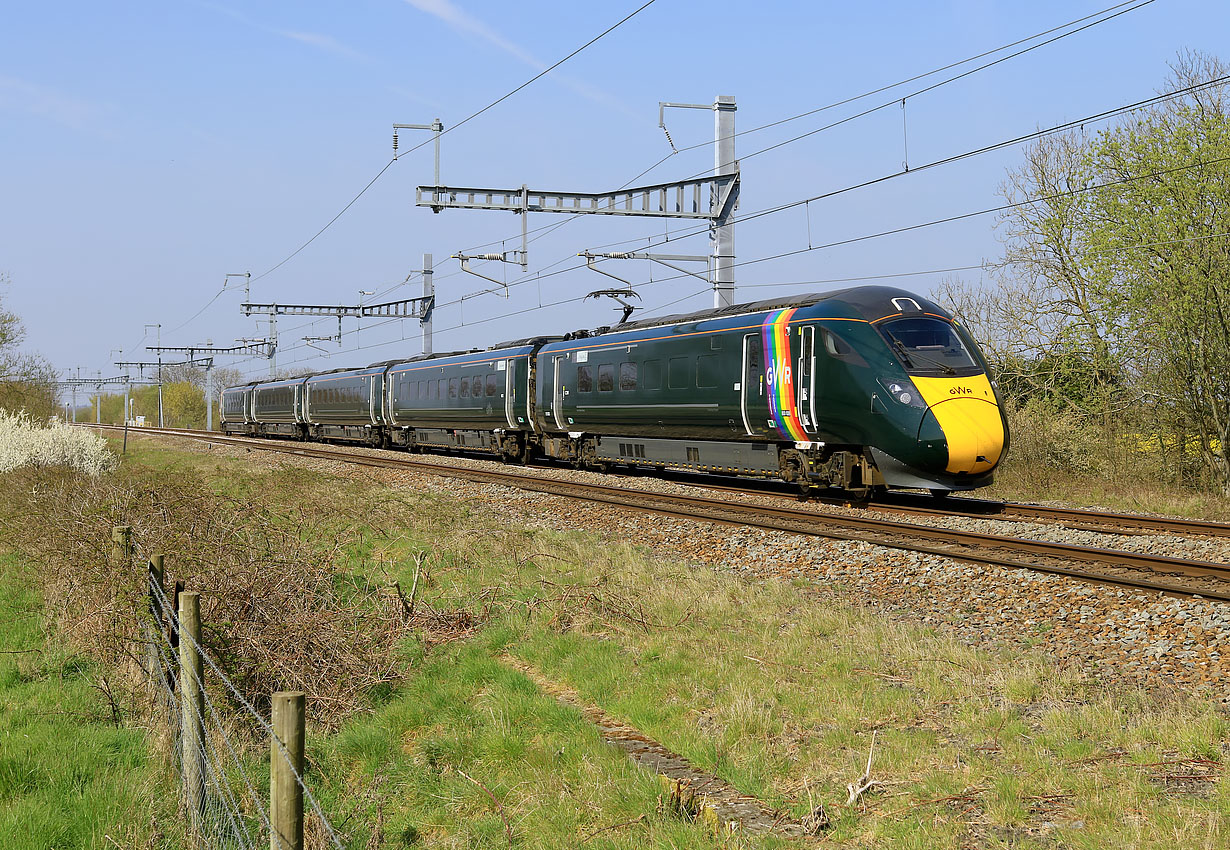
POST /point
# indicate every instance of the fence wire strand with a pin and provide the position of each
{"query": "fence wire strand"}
(234, 815)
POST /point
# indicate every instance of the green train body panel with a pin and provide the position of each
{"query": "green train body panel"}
(278, 401)
(345, 397)
(474, 390)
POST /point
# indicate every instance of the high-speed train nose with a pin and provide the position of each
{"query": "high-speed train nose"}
(968, 414)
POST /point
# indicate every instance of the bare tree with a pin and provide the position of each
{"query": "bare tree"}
(27, 381)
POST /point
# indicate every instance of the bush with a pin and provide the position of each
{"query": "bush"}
(25, 443)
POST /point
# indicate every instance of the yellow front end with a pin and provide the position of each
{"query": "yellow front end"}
(969, 415)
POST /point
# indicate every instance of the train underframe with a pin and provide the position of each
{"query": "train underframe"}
(810, 466)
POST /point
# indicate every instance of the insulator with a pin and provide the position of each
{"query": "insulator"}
(394, 142)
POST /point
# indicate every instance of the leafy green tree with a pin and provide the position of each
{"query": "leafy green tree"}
(183, 405)
(1112, 301)
(1163, 259)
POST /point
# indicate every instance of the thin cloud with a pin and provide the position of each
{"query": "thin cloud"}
(55, 106)
(467, 24)
(327, 43)
(464, 22)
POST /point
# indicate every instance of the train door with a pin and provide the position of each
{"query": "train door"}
(510, 384)
(805, 379)
(557, 390)
(753, 395)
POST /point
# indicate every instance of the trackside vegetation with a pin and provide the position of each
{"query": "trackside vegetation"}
(776, 687)
(72, 774)
(1108, 316)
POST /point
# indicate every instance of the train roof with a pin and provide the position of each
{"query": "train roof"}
(873, 302)
(521, 343)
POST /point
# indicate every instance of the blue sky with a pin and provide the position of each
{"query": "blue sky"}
(148, 148)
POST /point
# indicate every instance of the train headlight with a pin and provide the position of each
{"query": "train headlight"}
(903, 392)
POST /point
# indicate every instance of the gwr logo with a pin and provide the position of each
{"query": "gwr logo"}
(960, 391)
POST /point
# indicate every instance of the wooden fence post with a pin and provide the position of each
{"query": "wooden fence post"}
(121, 545)
(192, 704)
(285, 792)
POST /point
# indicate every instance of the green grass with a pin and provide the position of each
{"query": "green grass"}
(777, 687)
(68, 777)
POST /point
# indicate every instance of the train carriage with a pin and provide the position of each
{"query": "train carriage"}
(844, 388)
(476, 400)
(346, 404)
(278, 407)
(235, 406)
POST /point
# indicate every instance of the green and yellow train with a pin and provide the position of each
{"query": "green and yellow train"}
(865, 388)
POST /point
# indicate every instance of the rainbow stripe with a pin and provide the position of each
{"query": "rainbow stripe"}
(779, 376)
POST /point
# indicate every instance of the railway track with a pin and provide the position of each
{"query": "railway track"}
(1136, 571)
(964, 507)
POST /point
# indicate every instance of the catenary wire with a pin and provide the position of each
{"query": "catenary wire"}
(916, 77)
(761, 213)
(900, 100)
(851, 279)
(547, 229)
(460, 123)
(551, 228)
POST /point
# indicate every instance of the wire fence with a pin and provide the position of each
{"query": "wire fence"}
(227, 775)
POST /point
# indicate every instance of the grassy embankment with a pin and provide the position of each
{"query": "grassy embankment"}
(69, 776)
(776, 687)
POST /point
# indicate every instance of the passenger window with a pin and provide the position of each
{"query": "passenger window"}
(465, 387)
(585, 378)
(679, 373)
(454, 384)
(441, 391)
(627, 376)
(476, 386)
(707, 370)
(651, 375)
(493, 385)
(606, 378)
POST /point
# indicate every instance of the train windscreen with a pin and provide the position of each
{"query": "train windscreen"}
(929, 346)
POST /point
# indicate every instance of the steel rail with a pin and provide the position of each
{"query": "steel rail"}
(975, 547)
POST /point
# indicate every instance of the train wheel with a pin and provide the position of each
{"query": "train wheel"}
(939, 494)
